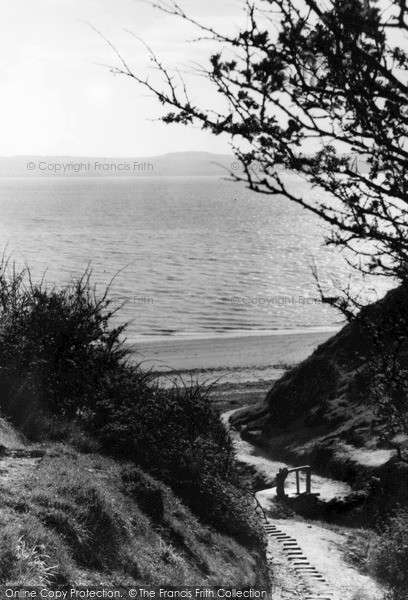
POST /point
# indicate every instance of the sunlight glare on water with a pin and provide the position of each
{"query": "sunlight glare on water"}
(201, 256)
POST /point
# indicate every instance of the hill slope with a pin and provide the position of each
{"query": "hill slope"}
(323, 412)
(83, 519)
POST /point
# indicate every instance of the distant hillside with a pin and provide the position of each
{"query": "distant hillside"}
(175, 164)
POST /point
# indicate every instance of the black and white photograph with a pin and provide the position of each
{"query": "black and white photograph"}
(204, 299)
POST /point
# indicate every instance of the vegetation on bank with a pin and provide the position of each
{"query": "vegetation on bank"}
(65, 374)
(391, 555)
(85, 519)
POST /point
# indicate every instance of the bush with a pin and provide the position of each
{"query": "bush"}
(177, 436)
(391, 556)
(56, 345)
(174, 433)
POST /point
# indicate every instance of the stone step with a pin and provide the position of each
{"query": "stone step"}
(294, 543)
(313, 579)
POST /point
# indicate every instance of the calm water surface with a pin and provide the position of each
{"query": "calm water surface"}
(201, 256)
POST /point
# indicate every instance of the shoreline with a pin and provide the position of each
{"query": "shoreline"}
(231, 335)
(245, 358)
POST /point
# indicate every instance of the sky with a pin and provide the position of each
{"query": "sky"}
(57, 98)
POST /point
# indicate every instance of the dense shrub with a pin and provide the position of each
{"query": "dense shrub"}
(56, 345)
(62, 360)
(177, 436)
(391, 556)
(174, 432)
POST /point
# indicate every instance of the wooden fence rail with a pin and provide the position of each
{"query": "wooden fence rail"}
(282, 475)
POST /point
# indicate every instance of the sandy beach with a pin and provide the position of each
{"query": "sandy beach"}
(230, 352)
(235, 360)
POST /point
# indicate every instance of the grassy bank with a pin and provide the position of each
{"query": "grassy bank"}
(69, 518)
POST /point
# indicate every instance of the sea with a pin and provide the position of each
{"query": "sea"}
(187, 257)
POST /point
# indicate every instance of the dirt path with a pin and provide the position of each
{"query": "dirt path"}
(314, 554)
(306, 559)
(247, 453)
